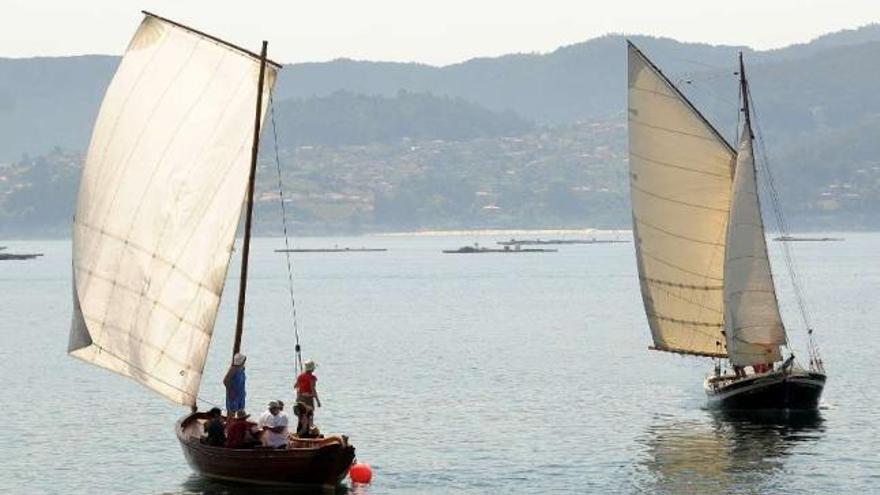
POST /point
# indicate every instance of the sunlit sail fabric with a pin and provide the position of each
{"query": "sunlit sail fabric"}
(159, 202)
(752, 323)
(680, 181)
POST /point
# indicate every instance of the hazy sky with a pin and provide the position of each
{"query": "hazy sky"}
(435, 32)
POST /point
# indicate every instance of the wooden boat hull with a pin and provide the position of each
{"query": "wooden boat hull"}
(780, 390)
(320, 463)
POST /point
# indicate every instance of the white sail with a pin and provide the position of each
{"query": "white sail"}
(159, 202)
(680, 181)
(752, 324)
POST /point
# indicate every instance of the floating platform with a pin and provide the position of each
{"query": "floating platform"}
(332, 250)
(480, 250)
(791, 238)
(541, 242)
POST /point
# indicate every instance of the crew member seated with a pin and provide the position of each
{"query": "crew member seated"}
(241, 433)
(274, 425)
(215, 434)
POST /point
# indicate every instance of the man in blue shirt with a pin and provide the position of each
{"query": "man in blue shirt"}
(235, 385)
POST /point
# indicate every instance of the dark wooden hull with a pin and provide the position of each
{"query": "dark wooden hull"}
(795, 390)
(315, 463)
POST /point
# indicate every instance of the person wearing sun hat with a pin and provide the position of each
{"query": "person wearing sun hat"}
(241, 433)
(307, 391)
(235, 385)
(274, 425)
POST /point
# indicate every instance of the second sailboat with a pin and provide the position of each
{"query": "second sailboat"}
(704, 271)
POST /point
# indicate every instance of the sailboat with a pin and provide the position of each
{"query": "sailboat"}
(701, 251)
(171, 161)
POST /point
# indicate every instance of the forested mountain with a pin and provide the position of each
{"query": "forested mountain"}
(348, 118)
(521, 140)
(47, 102)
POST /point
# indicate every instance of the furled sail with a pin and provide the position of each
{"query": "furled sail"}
(680, 180)
(752, 324)
(159, 202)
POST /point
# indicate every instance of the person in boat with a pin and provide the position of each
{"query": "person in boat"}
(304, 425)
(281, 412)
(274, 425)
(762, 368)
(307, 389)
(215, 429)
(241, 433)
(234, 381)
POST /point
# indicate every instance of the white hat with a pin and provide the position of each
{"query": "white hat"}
(238, 359)
(310, 365)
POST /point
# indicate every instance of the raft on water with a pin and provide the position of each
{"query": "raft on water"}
(332, 250)
(791, 238)
(478, 250)
(16, 257)
(541, 242)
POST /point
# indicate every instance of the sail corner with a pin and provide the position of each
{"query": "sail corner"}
(80, 337)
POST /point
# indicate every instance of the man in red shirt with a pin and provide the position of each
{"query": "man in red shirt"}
(241, 433)
(307, 391)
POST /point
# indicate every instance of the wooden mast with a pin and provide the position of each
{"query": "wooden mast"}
(744, 88)
(246, 245)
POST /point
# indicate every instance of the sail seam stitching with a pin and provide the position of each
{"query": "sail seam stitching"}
(676, 201)
(679, 167)
(676, 267)
(673, 234)
(673, 131)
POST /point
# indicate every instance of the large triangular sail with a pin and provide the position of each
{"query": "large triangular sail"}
(753, 326)
(159, 202)
(680, 181)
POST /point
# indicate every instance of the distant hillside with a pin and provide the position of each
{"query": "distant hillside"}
(47, 102)
(514, 141)
(577, 82)
(347, 118)
(565, 176)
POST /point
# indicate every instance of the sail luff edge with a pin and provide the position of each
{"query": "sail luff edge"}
(683, 97)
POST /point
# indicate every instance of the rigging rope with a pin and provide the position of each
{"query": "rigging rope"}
(786, 249)
(298, 364)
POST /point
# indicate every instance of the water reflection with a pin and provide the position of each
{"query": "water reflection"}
(723, 453)
(199, 485)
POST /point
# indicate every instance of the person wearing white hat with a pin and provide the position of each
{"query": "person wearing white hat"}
(235, 385)
(307, 391)
(274, 425)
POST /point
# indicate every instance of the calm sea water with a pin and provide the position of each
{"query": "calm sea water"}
(454, 374)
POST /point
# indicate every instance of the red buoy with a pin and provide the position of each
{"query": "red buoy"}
(361, 473)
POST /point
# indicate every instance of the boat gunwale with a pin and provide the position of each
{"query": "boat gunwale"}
(802, 377)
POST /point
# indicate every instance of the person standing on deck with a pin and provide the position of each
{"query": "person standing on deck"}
(235, 385)
(307, 390)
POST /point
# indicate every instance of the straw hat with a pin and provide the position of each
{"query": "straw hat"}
(310, 365)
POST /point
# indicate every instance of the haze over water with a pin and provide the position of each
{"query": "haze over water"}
(481, 374)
